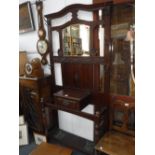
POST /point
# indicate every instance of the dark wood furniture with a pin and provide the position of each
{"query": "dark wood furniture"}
(72, 98)
(122, 102)
(33, 91)
(122, 114)
(92, 72)
(113, 1)
(113, 143)
(82, 73)
(120, 138)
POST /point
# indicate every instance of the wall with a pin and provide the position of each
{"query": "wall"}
(27, 42)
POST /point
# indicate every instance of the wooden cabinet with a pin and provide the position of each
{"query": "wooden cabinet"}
(122, 114)
(72, 98)
(33, 91)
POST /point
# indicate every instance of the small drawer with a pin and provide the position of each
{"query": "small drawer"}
(66, 103)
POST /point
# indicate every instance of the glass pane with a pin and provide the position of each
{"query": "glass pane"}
(76, 40)
(120, 70)
(122, 33)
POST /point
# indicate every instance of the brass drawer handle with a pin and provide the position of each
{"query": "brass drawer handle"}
(126, 104)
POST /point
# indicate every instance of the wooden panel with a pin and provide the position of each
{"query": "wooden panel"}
(32, 84)
(122, 14)
(32, 91)
(78, 75)
(122, 1)
(114, 1)
(101, 1)
(22, 61)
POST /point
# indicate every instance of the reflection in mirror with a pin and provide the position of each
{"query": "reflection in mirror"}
(101, 40)
(122, 62)
(101, 35)
(76, 40)
(120, 80)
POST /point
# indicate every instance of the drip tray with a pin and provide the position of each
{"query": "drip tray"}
(72, 141)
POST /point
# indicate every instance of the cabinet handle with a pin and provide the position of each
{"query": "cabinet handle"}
(126, 104)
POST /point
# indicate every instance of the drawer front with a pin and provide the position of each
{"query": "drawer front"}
(29, 83)
(67, 103)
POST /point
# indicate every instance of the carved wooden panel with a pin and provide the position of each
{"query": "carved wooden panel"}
(84, 76)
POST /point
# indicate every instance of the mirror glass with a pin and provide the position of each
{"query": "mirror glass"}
(121, 80)
(122, 57)
(76, 40)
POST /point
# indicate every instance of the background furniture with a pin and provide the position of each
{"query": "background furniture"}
(116, 143)
(122, 115)
(33, 91)
(22, 62)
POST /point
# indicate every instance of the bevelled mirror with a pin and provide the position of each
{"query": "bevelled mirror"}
(76, 40)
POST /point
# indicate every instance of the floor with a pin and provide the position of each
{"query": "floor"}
(26, 149)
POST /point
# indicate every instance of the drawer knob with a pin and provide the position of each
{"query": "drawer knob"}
(126, 104)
